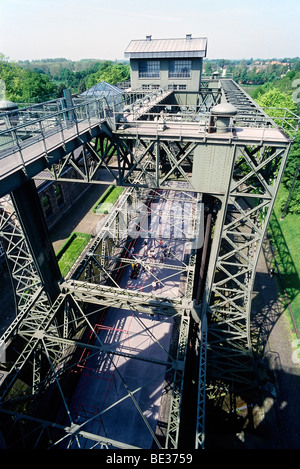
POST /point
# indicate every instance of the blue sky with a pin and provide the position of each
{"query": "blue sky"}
(73, 29)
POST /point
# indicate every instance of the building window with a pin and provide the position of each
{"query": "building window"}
(180, 69)
(146, 87)
(182, 87)
(58, 193)
(46, 205)
(149, 69)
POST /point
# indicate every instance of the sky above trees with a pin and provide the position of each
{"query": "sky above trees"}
(236, 29)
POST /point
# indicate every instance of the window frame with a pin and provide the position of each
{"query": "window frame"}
(151, 69)
(179, 64)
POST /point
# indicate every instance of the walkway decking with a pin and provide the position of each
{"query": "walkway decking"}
(196, 131)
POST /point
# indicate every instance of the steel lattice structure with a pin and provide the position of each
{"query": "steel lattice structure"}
(153, 151)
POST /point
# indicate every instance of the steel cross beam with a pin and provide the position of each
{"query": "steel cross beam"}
(159, 163)
(71, 433)
(84, 163)
(133, 300)
(50, 341)
(39, 317)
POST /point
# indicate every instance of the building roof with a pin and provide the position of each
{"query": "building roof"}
(102, 89)
(187, 47)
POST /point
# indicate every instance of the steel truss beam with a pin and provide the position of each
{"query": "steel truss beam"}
(208, 97)
(84, 163)
(133, 300)
(200, 423)
(27, 284)
(141, 302)
(239, 232)
(48, 334)
(175, 407)
(148, 163)
(72, 433)
(159, 163)
(32, 302)
(48, 340)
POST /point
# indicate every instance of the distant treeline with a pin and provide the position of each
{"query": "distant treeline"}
(40, 80)
(253, 72)
(43, 80)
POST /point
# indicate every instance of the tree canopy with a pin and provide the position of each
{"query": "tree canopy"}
(280, 95)
(37, 81)
(25, 86)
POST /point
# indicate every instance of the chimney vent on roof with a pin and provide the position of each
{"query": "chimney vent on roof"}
(188, 37)
(148, 38)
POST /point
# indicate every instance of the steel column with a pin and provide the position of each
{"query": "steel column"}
(32, 220)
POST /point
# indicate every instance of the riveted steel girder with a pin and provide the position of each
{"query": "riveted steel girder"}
(239, 233)
(240, 168)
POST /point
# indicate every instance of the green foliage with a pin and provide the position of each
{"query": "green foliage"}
(260, 90)
(37, 87)
(108, 199)
(79, 75)
(280, 106)
(25, 86)
(42, 80)
(110, 72)
(275, 98)
(291, 178)
(286, 86)
(254, 72)
(12, 77)
(285, 237)
(281, 99)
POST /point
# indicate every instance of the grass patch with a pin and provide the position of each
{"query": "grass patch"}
(71, 250)
(250, 89)
(285, 238)
(108, 199)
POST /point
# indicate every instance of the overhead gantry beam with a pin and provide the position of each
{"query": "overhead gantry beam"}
(126, 299)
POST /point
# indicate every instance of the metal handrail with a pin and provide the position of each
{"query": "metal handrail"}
(34, 125)
(288, 122)
(19, 134)
(23, 134)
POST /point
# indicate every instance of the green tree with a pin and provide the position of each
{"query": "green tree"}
(207, 68)
(291, 177)
(110, 72)
(37, 87)
(276, 103)
(24, 85)
(11, 75)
